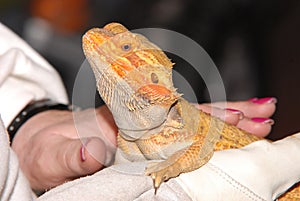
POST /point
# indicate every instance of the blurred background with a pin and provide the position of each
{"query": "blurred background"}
(255, 44)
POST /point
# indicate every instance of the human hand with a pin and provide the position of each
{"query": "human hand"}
(252, 115)
(52, 149)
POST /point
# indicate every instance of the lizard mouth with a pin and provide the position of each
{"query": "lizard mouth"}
(158, 94)
(93, 38)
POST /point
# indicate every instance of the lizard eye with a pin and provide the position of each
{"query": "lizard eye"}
(126, 47)
(154, 78)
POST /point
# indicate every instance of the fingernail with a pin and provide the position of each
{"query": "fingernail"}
(263, 100)
(83, 148)
(234, 111)
(263, 120)
(82, 154)
(95, 148)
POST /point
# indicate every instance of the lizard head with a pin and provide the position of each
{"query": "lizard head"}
(133, 59)
(134, 77)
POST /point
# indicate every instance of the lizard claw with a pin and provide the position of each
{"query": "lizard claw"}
(158, 178)
(158, 174)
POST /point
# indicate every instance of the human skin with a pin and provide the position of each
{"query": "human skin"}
(51, 151)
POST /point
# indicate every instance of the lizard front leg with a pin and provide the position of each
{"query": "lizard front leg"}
(127, 151)
(212, 134)
(184, 160)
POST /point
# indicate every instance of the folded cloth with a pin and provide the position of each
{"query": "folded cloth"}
(24, 76)
(120, 182)
(262, 170)
(13, 184)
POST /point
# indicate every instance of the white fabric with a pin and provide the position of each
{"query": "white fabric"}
(259, 171)
(124, 182)
(13, 184)
(24, 76)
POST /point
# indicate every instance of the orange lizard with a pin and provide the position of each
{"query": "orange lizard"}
(134, 78)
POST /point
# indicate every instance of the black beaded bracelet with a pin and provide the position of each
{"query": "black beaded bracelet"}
(32, 109)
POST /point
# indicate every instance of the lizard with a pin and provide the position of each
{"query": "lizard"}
(155, 122)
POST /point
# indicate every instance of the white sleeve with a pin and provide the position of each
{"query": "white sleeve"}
(259, 171)
(13, 183)
(24, 76)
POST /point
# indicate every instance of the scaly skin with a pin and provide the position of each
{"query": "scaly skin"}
(134, 78)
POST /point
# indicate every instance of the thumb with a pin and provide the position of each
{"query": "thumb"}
(83, 156)
(62, 159)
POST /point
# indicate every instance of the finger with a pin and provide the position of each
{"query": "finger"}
(258, 126)
(59, 159)
(82, 157)
(108, 127)
(231, 116)
(255, 107)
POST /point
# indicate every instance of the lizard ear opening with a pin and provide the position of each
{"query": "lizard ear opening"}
(115, 28)
(154, 78)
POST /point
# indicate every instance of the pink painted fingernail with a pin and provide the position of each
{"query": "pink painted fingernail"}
(263, 120)
(82, 154)
(263, 100)
(234, 111)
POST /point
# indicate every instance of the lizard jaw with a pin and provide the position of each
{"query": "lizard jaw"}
(158, 94)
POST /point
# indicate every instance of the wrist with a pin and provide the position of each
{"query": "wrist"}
(28, 133)
(30, 110)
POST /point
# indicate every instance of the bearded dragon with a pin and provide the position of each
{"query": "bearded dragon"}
(134, 78)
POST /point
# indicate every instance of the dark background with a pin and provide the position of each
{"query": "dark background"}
(255, 44)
